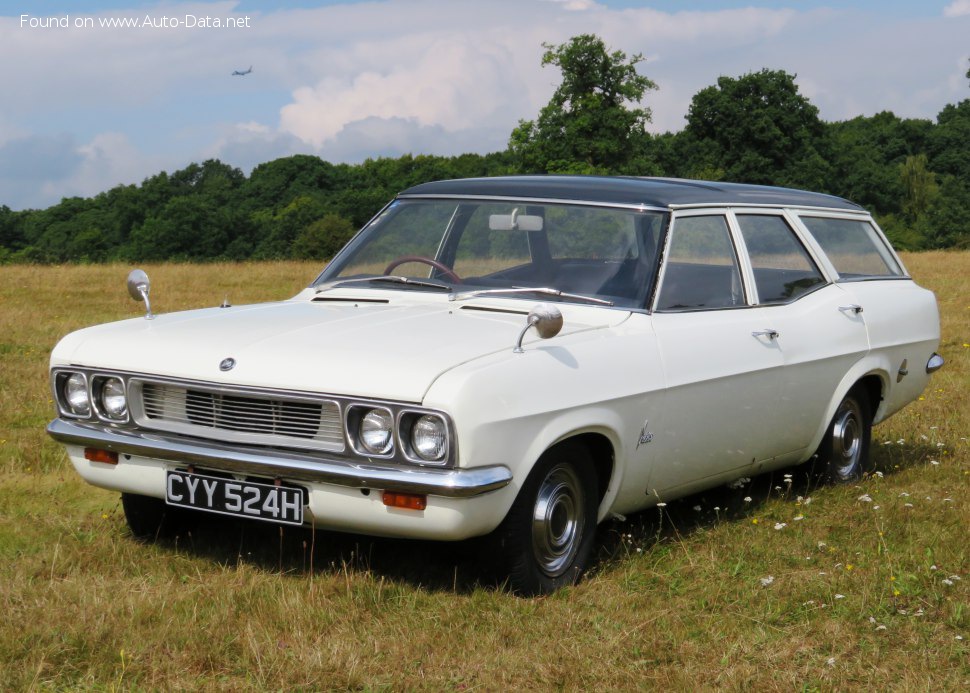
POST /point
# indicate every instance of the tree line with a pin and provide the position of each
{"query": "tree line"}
(913, 174)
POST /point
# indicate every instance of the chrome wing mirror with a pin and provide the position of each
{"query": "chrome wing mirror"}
(546, 318)
(138, 288)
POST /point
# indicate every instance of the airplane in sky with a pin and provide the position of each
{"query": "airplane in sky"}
(241, 73)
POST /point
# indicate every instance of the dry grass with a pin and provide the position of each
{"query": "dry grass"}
(865, 593)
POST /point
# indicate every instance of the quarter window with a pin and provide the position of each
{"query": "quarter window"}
(783, 270)
(702, 267)
(853, 247)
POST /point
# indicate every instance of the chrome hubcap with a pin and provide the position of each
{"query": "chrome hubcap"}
(557, 521)
(846, 439)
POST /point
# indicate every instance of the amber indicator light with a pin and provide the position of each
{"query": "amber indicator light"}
(96, 455)
(408, 501)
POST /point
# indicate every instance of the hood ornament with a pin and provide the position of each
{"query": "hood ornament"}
(227, 364)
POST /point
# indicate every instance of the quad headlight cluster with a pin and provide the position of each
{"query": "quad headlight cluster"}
(390, 431)
(85, 395)
(420, 436)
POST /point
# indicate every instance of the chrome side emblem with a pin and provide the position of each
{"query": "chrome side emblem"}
(645, 435)
(227, 364)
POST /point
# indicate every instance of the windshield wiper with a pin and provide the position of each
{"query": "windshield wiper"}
(394, 279)
(542, 290)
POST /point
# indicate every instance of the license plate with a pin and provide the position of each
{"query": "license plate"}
(281, 504)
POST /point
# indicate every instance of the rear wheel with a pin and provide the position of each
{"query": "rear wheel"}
(547, 537)
(150, 519)
(844, 452)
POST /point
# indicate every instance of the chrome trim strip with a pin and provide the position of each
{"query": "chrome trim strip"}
(639, 207)
(271, 463)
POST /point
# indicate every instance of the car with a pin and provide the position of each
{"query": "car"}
(517, 358)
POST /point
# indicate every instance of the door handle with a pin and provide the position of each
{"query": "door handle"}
(853, 308)
(769, 333)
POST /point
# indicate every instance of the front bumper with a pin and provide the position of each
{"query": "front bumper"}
(272, 463)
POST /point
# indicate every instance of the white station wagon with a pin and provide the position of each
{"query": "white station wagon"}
(518, 357)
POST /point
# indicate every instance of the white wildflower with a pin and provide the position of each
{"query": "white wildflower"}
(661, 505)
(954, 577)
(880, 627)
(879, 474)
(738, 483)
(875, 507)
(798, 518)
(830, 661)
(935, 463)
(907, 505)
(747, 499)
(781, 525)
(840, 596)
(865, 498)
(765, 581)
(933, 567)
(904, 495)
(948, 582)
(697, 508)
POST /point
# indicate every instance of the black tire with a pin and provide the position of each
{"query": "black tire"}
(844, 453)
(151, 519)
(547, 537)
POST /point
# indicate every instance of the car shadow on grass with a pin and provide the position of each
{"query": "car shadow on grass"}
(463, 567)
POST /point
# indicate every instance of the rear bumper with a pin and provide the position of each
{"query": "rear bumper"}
(449, 483)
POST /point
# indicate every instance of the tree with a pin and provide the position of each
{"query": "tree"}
(587, 126)
(321, 239)
(757, 128)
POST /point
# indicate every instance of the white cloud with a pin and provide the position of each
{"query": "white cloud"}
(83, 109)
(957, 8)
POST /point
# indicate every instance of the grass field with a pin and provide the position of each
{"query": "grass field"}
(776, 585)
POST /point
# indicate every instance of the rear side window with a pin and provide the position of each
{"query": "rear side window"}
(854, 247)
(783, 269)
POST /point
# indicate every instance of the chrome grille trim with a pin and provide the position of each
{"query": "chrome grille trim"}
(239, 416)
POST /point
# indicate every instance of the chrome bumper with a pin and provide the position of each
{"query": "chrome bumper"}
(455, 483)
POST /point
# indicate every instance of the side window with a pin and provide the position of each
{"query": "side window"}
(701, 266)
(853, 247)
(783, 269)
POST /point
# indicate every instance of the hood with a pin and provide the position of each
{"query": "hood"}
(386, 345)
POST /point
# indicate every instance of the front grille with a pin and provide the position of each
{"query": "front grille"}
(269, 419)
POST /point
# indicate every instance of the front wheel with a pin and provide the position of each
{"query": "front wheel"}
(547, 537)
(844, 452)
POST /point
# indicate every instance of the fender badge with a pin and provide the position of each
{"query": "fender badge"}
(227, 364)
(645, 435)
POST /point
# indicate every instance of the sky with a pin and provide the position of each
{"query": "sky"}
(87, 103)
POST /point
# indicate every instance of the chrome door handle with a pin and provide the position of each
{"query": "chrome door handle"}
(854, 308)
(769, 333)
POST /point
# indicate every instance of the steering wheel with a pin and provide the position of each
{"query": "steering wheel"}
(446, 271)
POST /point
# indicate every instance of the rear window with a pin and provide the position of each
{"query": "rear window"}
(854, 247)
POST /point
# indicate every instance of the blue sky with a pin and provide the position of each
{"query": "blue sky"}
(85, 108)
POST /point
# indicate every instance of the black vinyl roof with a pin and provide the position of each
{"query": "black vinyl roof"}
(650, 192)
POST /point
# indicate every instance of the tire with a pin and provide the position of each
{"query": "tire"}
(151, 519)
(547, 537)
(844, 452)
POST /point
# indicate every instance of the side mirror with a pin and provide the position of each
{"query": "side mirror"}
(138, 288)
(546, 318)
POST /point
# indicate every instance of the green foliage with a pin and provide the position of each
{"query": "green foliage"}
(759, 129)
(587, 126)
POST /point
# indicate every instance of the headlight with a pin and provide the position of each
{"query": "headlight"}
(114, 403)
(376, 431)
(76, 395)
(429, 438)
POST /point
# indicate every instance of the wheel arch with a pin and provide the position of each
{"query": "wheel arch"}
(874, 381)
(602, 453)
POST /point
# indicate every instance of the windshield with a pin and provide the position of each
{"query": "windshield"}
(599, 255)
